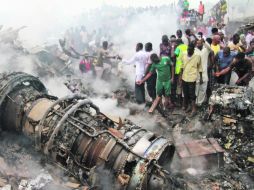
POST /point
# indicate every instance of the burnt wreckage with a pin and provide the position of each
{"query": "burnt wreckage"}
(73, 132)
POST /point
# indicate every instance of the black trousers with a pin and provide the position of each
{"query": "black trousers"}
(151, 86)
(140, 93)
(174, 88)
(189, 89)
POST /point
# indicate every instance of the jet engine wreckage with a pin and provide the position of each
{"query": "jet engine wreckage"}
(73, 132)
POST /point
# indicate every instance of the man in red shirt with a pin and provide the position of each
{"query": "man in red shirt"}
(201, 10)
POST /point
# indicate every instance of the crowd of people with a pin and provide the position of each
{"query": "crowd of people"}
(218, 11)
(188, 65)
(190, 17)
(184, 71)
(186, 68)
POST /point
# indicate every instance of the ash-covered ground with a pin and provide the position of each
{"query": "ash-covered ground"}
(21, 167)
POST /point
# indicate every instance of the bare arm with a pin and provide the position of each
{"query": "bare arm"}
(223, 72)
(114, 57)
(243, 78)
(146, 77)
(247, 74)
(207, 46)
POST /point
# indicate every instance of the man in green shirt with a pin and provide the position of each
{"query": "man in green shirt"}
(176, 89)
(165, 75)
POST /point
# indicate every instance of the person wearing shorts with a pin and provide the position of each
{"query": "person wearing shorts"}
(165, 74)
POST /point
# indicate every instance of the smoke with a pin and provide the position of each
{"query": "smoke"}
(237, 9)
(56, 87)
(103, 87)
(102, 178)
(13, 60)
(44, 19)
(124, 27)
(109, 106)
(146, 27)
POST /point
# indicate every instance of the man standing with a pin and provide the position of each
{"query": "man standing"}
(203, 49)
(193, 18)
(191, 67)
(140, 61)
(165, 71)
(186, 5)
(214, 31)
(151, 82)
(210, 70)
(179, 34)
(165, 48)
(103, 60)
(242, 67)
(176, 89)
(235, 44)
(250, 51)
(250, 54)
(173, 47)
(190, 37)
(215, 44)
(201, 10)
(222, 60)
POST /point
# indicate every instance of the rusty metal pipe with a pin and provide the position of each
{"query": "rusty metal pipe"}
(80, 137)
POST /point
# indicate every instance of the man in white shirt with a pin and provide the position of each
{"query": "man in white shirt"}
(203, 49)
(140, 60)
(151, 82)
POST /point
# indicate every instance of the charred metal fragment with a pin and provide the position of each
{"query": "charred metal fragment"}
(233, 101)
(75, 134)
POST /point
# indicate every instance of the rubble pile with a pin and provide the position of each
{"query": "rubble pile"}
(215, 180)
(233, 127)
(23, 168)
(45, 60)
(236, 101)
(237, 139)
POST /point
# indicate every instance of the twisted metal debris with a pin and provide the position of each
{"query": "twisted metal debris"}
(73, 132)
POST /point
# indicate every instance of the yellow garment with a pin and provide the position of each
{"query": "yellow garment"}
(102, 54)
(191, 66)
(179, 53)
(224, 8)
(235, 47)
(215, 49)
